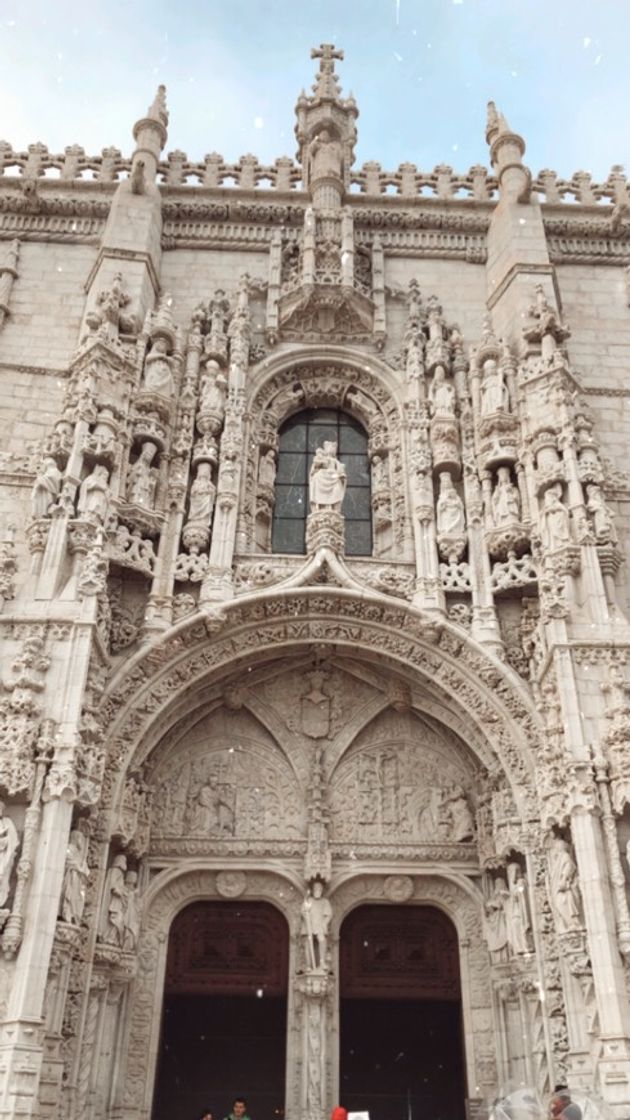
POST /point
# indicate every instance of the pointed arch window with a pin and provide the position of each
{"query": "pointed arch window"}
(299, 438)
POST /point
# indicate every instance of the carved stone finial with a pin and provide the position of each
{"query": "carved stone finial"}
(157, 109)
(326, 82)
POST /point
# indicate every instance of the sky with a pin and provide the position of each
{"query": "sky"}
(421, 71)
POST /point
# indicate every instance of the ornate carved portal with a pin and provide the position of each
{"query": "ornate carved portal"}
(401, 1051)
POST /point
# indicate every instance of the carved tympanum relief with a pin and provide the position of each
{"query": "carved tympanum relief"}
(403, 780)
(229, 780)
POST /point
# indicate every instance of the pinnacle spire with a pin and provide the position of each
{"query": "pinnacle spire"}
(157, 110)
(495, 123)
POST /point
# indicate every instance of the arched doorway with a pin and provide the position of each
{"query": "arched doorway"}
(401, 1053)
(225, 1012)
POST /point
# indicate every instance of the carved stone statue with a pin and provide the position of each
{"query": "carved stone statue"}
(131, 922)
(441, 394)
(142, 478)
(495, 926)
(8, 850)
(94, 495)
(267, 469)
(158, 375)
(75, 876)
(602, 517)
(451, 519)
(316, 919)
(327, 482)
(556, 532)
(213, 393)
(494, 394)
(112, 926)
(563, 882)
(325, 157)
(202, 494)
(517, 911)
(46, 489)
(506, 500)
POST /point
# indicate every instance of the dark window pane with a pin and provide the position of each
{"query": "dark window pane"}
(288, 536)
(293, 438)
(357, 470)
(290, 501)
(350, 439)
(324, 416)
(318, 433)
(356, 503)
(291, 467)
(358, 538)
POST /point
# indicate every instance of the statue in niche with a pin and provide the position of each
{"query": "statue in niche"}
(327, 480)
(131, 920)
(326, 156)
(556, 532)
(451, 519)
(213, 390)
(267, 469)
(441, 394)
(462, 823)
(202, 495)
(218, 311)
(506, 500)
(564, 888)
(158, 375)
(76, 875)
(494, 393)
(112, 926)
(517, 911)
(602, 517)
(8, 850)
(316, 919)
(142, 478)
(495, 925)
(93, 501)
(46, 489)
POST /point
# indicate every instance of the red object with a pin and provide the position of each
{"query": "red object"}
(339, 1113)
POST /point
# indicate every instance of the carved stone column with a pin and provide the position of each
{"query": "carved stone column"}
(314, 987)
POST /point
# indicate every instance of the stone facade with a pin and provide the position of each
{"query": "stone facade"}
(186, 715)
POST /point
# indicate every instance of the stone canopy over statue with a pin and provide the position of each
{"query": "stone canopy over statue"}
(327, 480)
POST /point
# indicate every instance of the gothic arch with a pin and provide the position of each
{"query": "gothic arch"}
(462, 903)
(471, 689)
(169, 893)
(330, 377)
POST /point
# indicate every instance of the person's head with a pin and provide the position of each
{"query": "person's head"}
(206, 1114)
(239, 1108)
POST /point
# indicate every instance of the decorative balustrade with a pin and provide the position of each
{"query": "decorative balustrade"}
(284, 176)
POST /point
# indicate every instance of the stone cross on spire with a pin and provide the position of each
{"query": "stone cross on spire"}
(326, 83)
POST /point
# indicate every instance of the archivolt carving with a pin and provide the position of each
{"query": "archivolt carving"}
(472, 687)
(167, 895)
